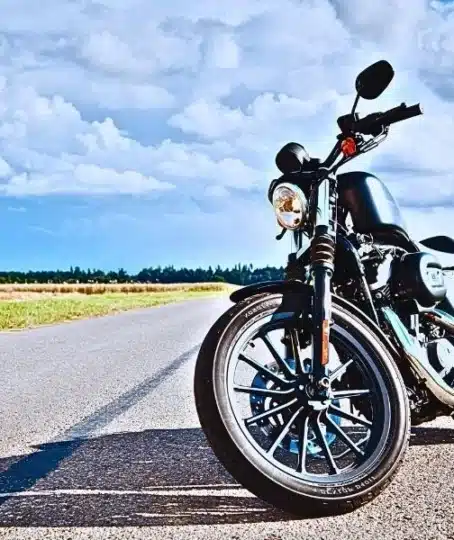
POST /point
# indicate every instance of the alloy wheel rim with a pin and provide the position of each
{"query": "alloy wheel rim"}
(297, 425)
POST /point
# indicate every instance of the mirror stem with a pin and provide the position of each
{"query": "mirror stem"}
(355, 104)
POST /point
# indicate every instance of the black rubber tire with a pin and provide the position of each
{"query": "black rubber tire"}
(309, 501)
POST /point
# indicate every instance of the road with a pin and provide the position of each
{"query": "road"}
(100, 439)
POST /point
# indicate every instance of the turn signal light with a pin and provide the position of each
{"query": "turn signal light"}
(348, 146)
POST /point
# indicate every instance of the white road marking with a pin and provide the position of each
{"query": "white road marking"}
(206, 491)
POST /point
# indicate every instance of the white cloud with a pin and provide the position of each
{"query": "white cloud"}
(61, 152)
(5, 169)
(216, 191)
(209, 120)
(82, 179)
(110, 53)
(218, 87)
(386, 22)
(116, 96)
(223, 52)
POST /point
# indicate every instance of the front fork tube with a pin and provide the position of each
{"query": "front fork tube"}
(322, 268)
(321, 321)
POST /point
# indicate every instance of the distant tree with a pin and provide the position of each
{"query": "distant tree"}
(122, 275)
(240, 274)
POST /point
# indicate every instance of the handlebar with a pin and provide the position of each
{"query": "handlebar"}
(372, 124)
(402, 112)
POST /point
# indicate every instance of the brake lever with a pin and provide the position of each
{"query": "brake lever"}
(376, 140)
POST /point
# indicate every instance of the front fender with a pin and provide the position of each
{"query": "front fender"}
(278, 286)
(298, 297)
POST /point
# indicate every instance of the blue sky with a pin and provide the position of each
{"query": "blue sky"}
(141, 133)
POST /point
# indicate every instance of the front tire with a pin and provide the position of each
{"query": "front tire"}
(300, 493)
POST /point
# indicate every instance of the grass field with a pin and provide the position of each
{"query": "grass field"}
(29, 305)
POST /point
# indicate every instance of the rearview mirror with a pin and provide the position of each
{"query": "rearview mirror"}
(371, 82)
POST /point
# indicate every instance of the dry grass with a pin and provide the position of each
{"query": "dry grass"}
(29, 305)
(101, 288)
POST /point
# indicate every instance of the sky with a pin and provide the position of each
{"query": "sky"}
(142, 133)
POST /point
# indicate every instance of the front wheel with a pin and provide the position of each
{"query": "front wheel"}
(301, 454)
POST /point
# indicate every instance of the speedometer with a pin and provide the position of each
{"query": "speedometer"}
(291, 158)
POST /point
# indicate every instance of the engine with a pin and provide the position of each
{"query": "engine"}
(441, 356)
(410, 280)
(413, 283)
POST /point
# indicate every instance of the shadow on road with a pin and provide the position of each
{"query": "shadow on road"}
(422, 436)
(156, 477)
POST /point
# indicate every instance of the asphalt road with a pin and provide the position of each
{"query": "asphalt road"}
(99, 439)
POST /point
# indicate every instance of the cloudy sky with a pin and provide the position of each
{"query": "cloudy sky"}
(143, 132)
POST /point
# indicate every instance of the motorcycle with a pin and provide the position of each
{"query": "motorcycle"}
(307, 388)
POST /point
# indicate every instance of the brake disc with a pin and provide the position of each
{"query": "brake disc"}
(272, 425)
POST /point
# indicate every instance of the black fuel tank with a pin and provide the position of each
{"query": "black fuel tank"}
(372, 207)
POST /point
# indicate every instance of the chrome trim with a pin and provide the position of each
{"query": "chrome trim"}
(323, 206)
(416, 354)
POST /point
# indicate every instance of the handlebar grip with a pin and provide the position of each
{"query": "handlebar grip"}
(373, 123)
(401, 113)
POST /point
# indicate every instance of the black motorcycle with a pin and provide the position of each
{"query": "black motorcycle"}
(307, 388)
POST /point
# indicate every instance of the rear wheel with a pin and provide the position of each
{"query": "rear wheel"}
(301, 454)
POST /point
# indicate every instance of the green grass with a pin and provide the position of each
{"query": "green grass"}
(29, 313)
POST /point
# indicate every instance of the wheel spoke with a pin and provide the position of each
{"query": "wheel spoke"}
(262, 369)
(348, 394)
(284, 432)
(296, 352)
(280, 361)
(338, 372)
(325, 448)
(262, 391)
(342, 435)
(302, 446)
(347, 451)
(271, 412)
(349, 416)
(320, 441)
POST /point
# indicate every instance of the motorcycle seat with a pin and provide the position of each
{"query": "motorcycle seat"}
(444, 244)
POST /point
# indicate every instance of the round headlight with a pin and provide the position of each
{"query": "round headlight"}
(290, 205)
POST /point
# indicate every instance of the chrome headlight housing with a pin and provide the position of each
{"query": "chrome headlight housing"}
(290, 205)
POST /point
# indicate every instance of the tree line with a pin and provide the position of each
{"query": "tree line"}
(240, 274)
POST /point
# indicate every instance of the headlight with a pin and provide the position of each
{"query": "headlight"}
(290, 205)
